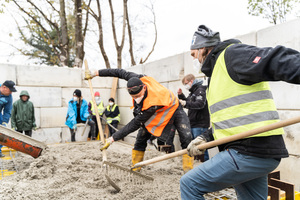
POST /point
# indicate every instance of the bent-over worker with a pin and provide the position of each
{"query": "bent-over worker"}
(156, 111)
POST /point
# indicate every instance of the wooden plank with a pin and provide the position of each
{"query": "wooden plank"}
(274, 193)
(285, 186)
(274, 174)
(113, 95)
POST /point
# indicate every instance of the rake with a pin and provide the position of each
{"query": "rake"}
(128, 174)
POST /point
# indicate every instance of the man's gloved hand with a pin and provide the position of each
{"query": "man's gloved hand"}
(192, 147)
(182, 102)
(108, 142)
(14, 128)
(89, 74)
(34, 128)
(4, 124)
(75, 127)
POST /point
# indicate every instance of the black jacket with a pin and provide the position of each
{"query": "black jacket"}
(249, 65)
(112, 114)
(140, 117)
(197, 106)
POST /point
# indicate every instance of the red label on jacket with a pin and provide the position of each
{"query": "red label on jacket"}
(257, 59)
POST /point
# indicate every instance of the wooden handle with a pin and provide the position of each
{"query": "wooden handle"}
(232, 138)
(97, 113)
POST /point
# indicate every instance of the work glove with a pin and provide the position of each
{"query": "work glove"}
(89, 74)
(107, 143)
(14, 128)
(4, 124)
(75, 127)
(192, 147)
(34, 128)
(182, 102)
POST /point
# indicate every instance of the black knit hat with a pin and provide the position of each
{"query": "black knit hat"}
(204, 37)
(77, 93)
(111, 99)
(134, 85)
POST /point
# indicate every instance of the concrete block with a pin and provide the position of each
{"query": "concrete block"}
(53, 117)
(126, 115)
(291, 136)
(41, 96)
(100, 82)
(48, 76)
(175, 85)
(249, 38)
(286, 34)
(48, 135)
(124, 98)
(167, 69)
(8, 72)
(289, 171)
(37, 114)
(285, 95)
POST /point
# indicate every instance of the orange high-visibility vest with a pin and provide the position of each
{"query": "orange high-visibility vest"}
(158, 95)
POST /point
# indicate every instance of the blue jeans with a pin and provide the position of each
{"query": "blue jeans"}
(195, 133)
(247, 174)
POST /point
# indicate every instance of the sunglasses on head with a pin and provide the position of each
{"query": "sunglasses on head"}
(134, 88)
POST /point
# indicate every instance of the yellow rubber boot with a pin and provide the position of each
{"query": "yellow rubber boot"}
(187, 163)
(137, 156)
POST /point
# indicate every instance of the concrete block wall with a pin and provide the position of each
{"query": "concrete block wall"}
(52, 87)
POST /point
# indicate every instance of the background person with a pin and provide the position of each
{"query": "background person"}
(77, 113)
(22, 115)
(239, 99)
(197, 107)
(91, 109)
(112, 114)
(6, 104)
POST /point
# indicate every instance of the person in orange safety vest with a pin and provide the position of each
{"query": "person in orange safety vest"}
(156, 111)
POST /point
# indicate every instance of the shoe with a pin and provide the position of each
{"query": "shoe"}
(2, 155)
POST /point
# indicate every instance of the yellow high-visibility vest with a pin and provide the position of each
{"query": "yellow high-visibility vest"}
(110, 119)
(235, 108)
(100, 108)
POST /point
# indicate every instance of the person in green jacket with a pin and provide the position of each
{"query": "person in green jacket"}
(22, 115)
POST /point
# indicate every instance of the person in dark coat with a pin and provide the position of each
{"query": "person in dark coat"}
(112, 114)
(22, 115)
(196, 104)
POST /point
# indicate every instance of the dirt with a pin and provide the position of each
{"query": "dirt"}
(75, 171)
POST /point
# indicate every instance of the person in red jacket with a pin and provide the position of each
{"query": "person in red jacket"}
(156, 112)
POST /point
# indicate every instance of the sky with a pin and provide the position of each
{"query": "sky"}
(177, 20)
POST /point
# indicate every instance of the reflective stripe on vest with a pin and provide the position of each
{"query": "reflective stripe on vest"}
(110, 119)
(100, 108)
(235, 108)
(157, 96)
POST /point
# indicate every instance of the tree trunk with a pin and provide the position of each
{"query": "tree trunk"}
(64, 45)
(79, 46)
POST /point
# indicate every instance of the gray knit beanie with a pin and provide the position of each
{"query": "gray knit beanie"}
(204, 37)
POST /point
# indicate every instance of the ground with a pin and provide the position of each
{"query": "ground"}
(75, 171)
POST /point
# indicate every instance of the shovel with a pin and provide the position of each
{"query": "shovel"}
(217, 142)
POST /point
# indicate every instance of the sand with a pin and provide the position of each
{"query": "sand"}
(75, 171)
